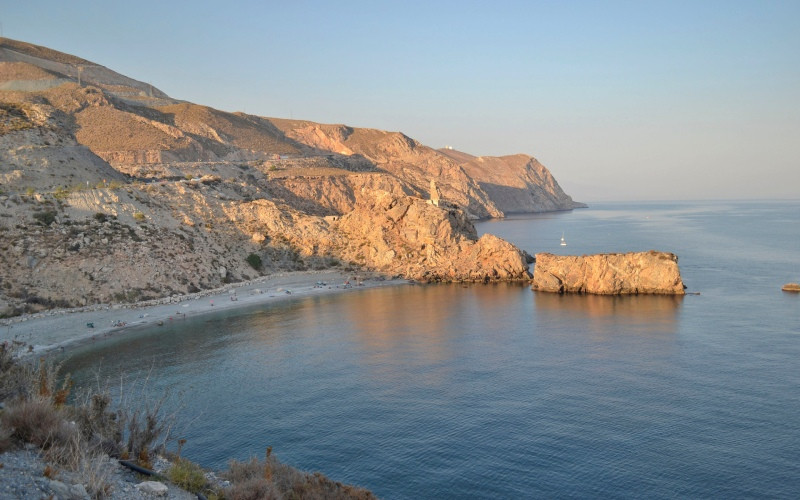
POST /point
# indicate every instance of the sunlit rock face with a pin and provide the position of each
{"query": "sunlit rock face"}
(408, 236)
(609, 274)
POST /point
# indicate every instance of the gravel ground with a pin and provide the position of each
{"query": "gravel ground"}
(22, 477)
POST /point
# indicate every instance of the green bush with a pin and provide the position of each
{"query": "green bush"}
(139, 217)
(61, 193)
(254, 261)
(45, 218)
(188, 475)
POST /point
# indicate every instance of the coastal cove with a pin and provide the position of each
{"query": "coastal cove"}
(50, 331)
(449, 391)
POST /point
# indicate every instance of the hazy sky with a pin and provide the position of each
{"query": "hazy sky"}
(629, 100)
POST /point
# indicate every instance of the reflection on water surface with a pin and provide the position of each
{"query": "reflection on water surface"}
(449, 391)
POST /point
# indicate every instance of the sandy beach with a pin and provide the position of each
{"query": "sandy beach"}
(59, 329)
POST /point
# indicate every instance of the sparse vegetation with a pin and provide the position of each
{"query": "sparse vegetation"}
(14, 117)
(139, 217)
(272, 479)
(255, 261)
(61, 193)
(188, 475)
(45, 218)
(77, 437)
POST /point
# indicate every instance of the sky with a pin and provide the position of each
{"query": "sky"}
(621, 100)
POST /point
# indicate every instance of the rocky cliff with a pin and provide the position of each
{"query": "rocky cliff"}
(408, 236)
(516, 183)
(112, 191)
(609, 274)
(399, 155)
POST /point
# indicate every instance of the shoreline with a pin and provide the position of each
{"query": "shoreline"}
(55, 330)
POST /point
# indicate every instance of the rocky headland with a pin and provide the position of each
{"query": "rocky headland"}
(609, 274)
(113, 192)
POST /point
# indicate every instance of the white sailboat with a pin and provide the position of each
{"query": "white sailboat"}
(563, 241)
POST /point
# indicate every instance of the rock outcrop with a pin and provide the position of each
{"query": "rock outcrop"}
(516, 183)
(399, 155)
(408, 236)
(609, 274)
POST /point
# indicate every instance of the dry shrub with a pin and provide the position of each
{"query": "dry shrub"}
(66, 447)
(95, 471)
(256, 488)
(74, 437)
(249, 480)
(48, 376)
(99, 426)
(39, 421)
(73, 453)
(33, 420)
(242, 471)
(136, 426)
(6, 443)
(16, 379)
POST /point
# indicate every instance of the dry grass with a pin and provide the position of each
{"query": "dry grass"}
(135, 426)
(82, 436)
(76, 437)
(16, 379)
(258, 479)
(33, 420)
(14, 117)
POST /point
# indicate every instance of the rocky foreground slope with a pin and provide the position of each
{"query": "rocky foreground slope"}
(112, 191)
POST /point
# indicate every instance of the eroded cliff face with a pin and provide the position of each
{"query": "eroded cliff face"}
(516, 183)
(399, 155)
(609, 274)
(333, 194)
(130, 243)
(413, 238)
(114, 192)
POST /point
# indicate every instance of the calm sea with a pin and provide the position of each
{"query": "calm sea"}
(450, 391)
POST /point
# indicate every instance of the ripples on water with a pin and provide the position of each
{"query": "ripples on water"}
(453, 391)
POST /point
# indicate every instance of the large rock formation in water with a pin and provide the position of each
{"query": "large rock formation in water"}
(609, 274)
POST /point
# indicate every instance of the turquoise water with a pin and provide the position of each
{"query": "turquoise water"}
(450, 391)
